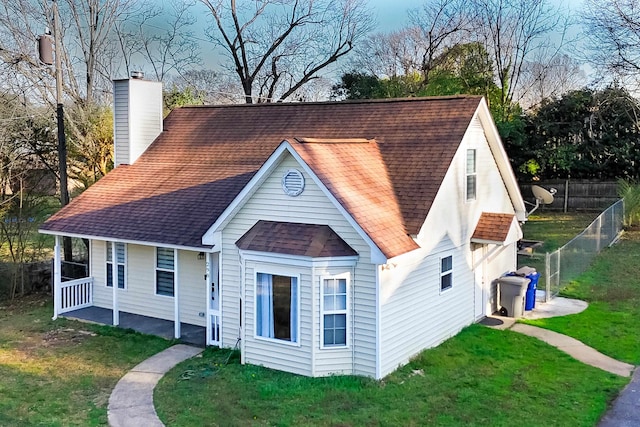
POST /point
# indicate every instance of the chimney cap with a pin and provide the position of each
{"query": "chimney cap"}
(137, 75)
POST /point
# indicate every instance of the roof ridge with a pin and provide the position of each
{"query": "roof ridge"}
(304, 140)
(346, 101)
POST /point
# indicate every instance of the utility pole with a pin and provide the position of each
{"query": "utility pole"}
(44, 45)
(62, 142)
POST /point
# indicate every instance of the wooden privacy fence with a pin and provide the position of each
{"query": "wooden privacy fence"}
(575, 195)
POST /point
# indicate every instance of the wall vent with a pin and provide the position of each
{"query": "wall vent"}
(293, 183)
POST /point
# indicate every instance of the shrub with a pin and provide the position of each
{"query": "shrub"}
(630, 192)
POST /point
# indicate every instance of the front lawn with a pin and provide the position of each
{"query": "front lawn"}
(612, 288)
(61, 373)
(481, 377)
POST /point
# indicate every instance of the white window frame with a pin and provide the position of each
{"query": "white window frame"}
(445, 273)
(344, 311)
(468, 175)
(108, 264)
(275, 271)
(167, 270)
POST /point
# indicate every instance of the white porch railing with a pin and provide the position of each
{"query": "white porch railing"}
(76, 294)
(214, 336)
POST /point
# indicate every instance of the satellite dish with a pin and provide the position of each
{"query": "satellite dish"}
(543, 196)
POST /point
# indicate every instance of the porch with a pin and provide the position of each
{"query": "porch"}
(189, 334)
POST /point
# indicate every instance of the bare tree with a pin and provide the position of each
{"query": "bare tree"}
(439, 25)
(612, 36)
(277, 46)
(388, 54)
(512, 31)
(157, 40)
(547, 77)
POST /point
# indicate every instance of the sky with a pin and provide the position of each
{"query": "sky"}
(392, 14)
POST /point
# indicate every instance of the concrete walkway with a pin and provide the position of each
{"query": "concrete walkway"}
(576, 349)
(131, 401)
(561, 307)
(625, 411)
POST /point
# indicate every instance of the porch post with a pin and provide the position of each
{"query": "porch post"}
(176, 298)
(114, 283)
(57, 279)
(208, 274)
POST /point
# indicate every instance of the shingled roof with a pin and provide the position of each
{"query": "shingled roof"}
(206, 155)
(309, 240)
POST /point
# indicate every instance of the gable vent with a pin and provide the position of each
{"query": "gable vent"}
(293, 183)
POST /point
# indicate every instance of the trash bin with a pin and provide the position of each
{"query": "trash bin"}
(531, 274)
(512, 292)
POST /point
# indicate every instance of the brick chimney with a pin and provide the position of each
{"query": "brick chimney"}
(137, 116)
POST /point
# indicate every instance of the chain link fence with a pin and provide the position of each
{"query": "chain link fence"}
(573, 259)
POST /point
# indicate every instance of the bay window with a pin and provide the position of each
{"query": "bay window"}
(277, 307)
(334, 312)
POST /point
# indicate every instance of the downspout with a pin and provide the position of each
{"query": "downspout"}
(315, 317)
(114, 283)
(353, 318)
(176, 298)
(378, 323)
(242, 309)
(57, 279)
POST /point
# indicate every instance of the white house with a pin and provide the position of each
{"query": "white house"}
(321, 238)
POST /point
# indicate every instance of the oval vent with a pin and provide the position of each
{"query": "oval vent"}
(293, 183)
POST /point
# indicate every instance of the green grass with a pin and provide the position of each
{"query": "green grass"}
(612, 288)
(481, 377)
(61, 373)
(555, 228)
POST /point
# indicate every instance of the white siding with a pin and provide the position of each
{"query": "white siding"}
(137, 117)
(121, 122)
(102, 295)
(414, 313)
(192, 288)
(270, 203)
(140, 297)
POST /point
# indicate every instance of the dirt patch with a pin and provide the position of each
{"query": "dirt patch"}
(65, 336)
(24, 304)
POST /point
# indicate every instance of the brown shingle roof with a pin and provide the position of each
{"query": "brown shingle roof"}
(295, 239)
(206, 155)
(357, 176)
(493, 227)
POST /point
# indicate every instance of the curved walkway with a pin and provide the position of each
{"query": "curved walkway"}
(131, 401)
(562, 307)
(625, 410)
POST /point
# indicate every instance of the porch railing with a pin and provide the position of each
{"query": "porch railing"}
(76, 294)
